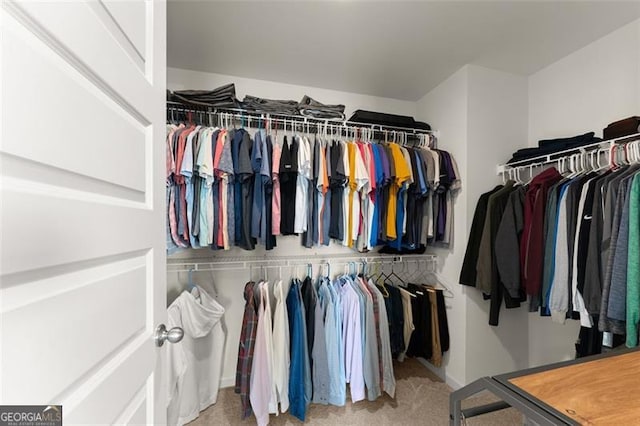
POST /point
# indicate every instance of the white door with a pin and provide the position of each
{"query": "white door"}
(82, 260)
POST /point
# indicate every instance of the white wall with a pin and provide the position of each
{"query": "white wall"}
(185, 79)
(467, 109)
(446, 107)
(497, 126)
(229, 285)
(582, 92)
(587, 89)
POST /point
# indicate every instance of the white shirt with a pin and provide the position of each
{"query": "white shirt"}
(302, 186)
(260, 385)
(362, 184)
(281, 357)
(352, 338)
(193, 365)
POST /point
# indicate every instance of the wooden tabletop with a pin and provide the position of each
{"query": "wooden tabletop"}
(604, 391)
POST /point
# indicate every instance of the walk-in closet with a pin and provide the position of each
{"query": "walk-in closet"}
(237, 213)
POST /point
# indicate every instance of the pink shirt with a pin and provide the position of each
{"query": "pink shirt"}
(275, 201)
(221, 191)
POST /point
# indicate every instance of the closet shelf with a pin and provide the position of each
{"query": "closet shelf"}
(245, 262)
(562, 155)
(238, 113)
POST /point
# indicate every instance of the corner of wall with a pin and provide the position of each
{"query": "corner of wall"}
(445, 108)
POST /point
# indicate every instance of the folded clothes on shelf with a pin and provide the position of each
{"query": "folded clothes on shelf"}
(270, 106)
(550, 146)
(221, 97)
(309, 107)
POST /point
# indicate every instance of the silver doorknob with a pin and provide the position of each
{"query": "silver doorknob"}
(173, 336)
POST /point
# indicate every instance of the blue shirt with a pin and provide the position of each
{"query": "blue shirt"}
(258, 193)
(297, 404)
(237, 185)
(373, 237)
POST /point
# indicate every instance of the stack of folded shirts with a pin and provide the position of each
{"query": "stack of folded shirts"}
(222, 97)
(621, 128)
(311, 108)
(550, 146)
(273, 106)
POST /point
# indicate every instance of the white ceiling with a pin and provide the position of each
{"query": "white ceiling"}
(392, 49)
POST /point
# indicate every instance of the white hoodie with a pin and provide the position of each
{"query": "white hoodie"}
(194, 365)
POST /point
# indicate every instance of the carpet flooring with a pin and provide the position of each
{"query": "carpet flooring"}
(421, 399)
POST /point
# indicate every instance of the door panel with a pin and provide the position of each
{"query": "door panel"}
(94, 337)
(66, 227)
(79, 35)
(52, 82)
(82, 256)
(128, 16)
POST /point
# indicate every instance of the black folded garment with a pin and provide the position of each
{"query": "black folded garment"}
(273, 106)
(551, 146)
(404, 250)
(389, 120)
(565, 143)
(221, 97)
(309, 107)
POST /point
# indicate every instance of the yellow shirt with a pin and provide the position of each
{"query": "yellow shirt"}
(351, 151)
(402, 175)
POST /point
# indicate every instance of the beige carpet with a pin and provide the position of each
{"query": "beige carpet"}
(421, 399)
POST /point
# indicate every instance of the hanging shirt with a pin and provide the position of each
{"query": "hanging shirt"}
(288, 181)
(281, 355)
(351, 199)
(362, 189)
(236, 141)
(258, 186)
(376, 204)
(578, 302)
(559, 293)
(351, 336)
(186, 171)
(633, 271)
(371, 359)
(302, 186)
(267, 225)
(275, 176)
(328, 196)
(401, 177)
(246, 349)
(172, 247)
(388, 377)
(333, 334)
(246, 176)
(261, 379)
(299, 359)
(320, 364)
(322, 185)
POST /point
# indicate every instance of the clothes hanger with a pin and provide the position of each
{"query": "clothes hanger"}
(193, 289)
(393, 274)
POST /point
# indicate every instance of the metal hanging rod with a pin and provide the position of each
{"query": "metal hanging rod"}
(238, 113)
(541, 160)
(239, 263)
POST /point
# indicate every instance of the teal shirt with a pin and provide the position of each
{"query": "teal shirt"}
(633, 269)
